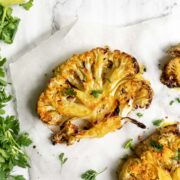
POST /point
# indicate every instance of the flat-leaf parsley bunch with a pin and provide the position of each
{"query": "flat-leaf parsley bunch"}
(12, 141)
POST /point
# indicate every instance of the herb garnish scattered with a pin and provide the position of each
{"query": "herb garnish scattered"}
(128, 144)
(158, 147)
(12, 141)
(177, 157)
(96, 93)
(69, 92)
(139, 115)
(178, 100)
(171, 102)
(158, 122)
(62, 159)
(91, 174)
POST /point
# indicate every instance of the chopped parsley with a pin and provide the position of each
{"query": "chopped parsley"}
(171, 102)
(62, 159)
(128, 144)
(96, 93)
(177, 157)
(178, 100)
(158, 122)
(69, 92)
(139, 115)
(158, 147)
(91, 174)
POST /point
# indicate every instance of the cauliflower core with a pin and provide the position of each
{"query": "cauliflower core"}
(156, 158)
(171, 72)
(91, 93)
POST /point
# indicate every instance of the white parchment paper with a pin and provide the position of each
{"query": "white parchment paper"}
(146, 41)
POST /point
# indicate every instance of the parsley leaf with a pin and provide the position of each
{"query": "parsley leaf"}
(128, 144)
(139, 115)
(96, 93)
(171, 102)
(177, 157)
(11, 140)
(8, 24)
(69, 92)
(27, 5)
(91, 174)
(158, 147)
(158, 122)
(62, 159)
(178, 100)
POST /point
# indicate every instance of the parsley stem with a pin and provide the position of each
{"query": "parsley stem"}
(102, 171)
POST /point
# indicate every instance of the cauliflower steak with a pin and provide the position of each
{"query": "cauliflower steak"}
(155, 158)
(91, 93)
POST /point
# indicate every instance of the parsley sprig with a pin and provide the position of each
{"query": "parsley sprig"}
(62, 159)
(91, 174)
(9, 23)
(12, 141)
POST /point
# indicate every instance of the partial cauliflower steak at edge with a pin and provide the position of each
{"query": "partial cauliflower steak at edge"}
(92, 93)
(155, 158)
(171, 72)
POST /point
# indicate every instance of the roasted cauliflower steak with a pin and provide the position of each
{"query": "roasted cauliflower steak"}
(91, 93)
(171, 72)
(155, 158)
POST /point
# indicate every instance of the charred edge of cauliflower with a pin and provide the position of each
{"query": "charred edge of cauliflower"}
(86, 87)
(150, 164)
(171, 71)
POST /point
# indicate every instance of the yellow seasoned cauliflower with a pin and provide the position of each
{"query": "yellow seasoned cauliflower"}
(156, 158)
(171, 72)
(91, 93)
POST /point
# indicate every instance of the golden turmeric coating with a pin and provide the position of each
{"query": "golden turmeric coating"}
(91, 93)
(171, 72)
(156, 158)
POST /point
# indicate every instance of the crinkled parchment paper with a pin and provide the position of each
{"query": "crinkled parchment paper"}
(146, 41)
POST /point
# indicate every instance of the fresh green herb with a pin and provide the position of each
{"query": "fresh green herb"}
(178, 100)
(62, 159)
(69, 92)
(177, 157)
(8, 24)
(158, 122)
(171, 102)
(91, 174)
(27, 5)
(84, 77)
(139, 115)
(12, 141)
(128, 144)
(20, 177)
(158, 147)
(96, 93)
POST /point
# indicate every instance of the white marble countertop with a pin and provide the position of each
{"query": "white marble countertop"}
(48, 16)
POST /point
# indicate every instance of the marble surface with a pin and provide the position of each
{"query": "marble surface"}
(48, 16)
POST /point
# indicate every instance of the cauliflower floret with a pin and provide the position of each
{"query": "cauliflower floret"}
(171, 72)
(155, 158)
(91, 93)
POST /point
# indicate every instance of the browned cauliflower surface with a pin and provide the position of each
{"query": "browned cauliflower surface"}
(156, 158)
(171, 72)
(91, 93)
